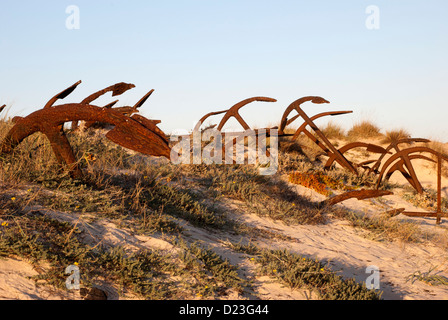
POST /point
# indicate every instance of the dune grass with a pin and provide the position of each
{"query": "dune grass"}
(392, 136)
(363, 130)
(296, 271)
(263, 195)
(334, 131)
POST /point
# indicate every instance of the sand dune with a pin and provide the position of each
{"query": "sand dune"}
(347, 250)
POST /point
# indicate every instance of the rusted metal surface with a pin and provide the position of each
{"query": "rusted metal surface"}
(125, 110)
(111, 104)
(302, 129)
(394, 145)
(406, 167)
(128, 110)
(394, 212)
(423, 214)
(398, 156)
(368, 146)
(205, 117)
(231, 112)
(391, 162)
(62, 95)
(365, 164)
(399, 166)
(399, 161)
(321, 140)
(234, 112)
(116, 89)
(407, 163)
(136, 132)
(293, 106)
(358, 194)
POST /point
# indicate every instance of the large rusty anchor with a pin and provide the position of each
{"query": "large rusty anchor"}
(321, 140)
(233, 112)
(133, 132)
(397, 162)
(405, 165)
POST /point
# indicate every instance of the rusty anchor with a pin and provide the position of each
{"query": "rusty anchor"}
(116, 89)
(407, 153)
(133, 132)
(373, 148)
(228, 114)
(232, 112)
(325, 144)
(358, 194)
(406, 168)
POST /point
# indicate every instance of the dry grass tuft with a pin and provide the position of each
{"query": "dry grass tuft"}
(311, 150)
(334, 131)
(442, 148)
(439, 147)
(364, 130)
(392, 136)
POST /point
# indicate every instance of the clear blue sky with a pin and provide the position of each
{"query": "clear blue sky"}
(203, 56)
